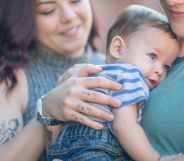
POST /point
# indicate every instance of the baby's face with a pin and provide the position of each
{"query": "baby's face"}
(153, 51)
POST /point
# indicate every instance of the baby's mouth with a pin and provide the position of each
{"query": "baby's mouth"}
(152, 83)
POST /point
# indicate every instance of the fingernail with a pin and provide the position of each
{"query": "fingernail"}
(117, 102)
(99, 68)
(110, 117)
(99, 126)
(118, 86)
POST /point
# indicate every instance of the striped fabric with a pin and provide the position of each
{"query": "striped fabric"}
(134, 86)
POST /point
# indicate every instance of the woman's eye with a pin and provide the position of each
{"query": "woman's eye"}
(46, 9)
(153, 56)
(48, 12)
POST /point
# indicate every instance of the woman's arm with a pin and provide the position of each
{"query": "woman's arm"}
(25, 146)
(29, 141)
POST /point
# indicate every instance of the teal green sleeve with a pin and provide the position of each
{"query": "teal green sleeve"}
(163, 116)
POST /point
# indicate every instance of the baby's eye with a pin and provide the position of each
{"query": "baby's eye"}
(167, 67)
(153, 56)
(75, 1)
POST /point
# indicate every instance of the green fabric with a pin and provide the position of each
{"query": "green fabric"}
(163, 115)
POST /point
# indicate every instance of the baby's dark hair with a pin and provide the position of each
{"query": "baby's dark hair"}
(132, 19)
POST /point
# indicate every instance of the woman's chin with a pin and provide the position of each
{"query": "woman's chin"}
(74, 51)
(178, 29)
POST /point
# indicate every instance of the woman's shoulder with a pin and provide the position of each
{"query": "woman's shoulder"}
(16, 98)
(12, 106)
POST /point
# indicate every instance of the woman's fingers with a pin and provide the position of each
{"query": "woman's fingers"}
(80, 70)
(97, 97)
(99, 82)
(77, 88)
(73, 100)
(89, 109)
(87, 69)
(85, 120)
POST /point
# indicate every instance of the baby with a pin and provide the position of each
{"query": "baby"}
(140, 50)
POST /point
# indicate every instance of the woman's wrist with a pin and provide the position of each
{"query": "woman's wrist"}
(42, 130)
(48, 122)
(43, 116)
(47, 134)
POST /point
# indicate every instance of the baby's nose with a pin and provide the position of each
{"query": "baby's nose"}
(159, 70)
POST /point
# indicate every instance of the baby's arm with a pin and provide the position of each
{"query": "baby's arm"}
(131, 135)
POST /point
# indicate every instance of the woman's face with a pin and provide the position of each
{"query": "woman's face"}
(64, 25)
(175, 12)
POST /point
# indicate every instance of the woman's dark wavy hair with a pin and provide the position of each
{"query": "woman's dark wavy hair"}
(17, 29)
(94, 31)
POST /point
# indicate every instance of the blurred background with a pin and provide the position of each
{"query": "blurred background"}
(106, 12)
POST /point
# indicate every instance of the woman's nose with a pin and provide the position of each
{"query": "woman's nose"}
(67, 14)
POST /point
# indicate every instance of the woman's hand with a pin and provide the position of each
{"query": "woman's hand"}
(80, 70)
(178, 157)
(69, 101)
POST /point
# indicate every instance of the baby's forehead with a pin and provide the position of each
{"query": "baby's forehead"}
(159, 26)
(150, 29)
(154, 38)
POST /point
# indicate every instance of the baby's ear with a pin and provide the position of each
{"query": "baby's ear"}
(117, 47)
